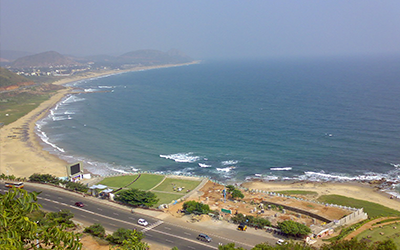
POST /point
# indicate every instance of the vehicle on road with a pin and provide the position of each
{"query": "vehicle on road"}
(142, 222)
(280, 242)
(204, 237)
(79, 204)
(242, 227)
(14, 184)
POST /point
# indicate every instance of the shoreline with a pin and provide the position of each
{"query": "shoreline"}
(21, 152)
(24, 154)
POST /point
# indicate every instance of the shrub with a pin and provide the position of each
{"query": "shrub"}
(196, 207)
(96, 230)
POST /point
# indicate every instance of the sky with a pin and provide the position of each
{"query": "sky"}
(203, 29)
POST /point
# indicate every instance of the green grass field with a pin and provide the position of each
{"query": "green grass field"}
(13, 108)
(372, 209)
(118, 181)
(388, 231)
(166, 198)
(169, 184)
(147, 181)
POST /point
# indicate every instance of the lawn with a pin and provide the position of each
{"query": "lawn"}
(372, 209)
(166, 198)
(388, 231)
(169, 184)
(147, 181)
(118, 181)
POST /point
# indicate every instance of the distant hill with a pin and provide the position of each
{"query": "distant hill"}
(45, 59)
(9, 79)
(154, 57)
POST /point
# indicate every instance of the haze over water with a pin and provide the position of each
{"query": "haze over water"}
(315, 119)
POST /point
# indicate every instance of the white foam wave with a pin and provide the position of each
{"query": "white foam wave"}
(90, 90)
(230, 162)
(281, 169)
(46, 140)
(119, 170)
(226, 170)
(323, 176)
(182, 157)
(395, 165)
(202, 165)
(106, 87)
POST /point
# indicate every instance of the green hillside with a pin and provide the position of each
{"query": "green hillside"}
(8, 78)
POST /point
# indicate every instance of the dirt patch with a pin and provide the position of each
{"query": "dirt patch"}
(212, 194)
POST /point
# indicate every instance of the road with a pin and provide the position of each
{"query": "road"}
(168, 232)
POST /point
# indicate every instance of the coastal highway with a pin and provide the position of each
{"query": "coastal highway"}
(168, 232)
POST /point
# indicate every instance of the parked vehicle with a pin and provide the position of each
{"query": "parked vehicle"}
(280, 242)
(204, 237)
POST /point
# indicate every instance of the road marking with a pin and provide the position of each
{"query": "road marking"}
(167, 228)
(94, 219)
(152, 226)
(132, 218)
(170, 241)
(113, 225)
(47, 195)
(115, 213)
(187, 233)
(191, 247)
(100, 209)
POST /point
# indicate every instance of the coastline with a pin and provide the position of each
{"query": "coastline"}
(24, 155)
(21, 152)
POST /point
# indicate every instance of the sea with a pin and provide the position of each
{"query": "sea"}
(316, 119)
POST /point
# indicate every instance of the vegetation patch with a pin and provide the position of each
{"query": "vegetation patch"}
(390, 231)
(172, 185)
(118, 181)
(166, 198)
(372, 209)
(147, 181)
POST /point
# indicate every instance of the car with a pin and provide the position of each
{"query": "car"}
(79, 204)
(204, 237)
(142, 222)
(280, 242)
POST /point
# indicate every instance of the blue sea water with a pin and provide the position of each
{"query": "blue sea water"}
(317, 119)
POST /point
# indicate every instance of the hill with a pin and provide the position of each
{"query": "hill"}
(45, 59)
(9, 79)
(154, 57)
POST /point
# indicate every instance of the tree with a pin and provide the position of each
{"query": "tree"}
(293, 228)
(95, 230)
(128, 239)
(230, 188)
(137, 197)
(196, 207)
(386, 245)
(63, 217)
(17, 231)
(237, 194)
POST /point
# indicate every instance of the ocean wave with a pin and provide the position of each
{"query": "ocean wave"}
(91, 90)
(43, 136)
(230, 162)
(226, 170)
(106, 87)
(182, 157)
(395, 165)
(202, 165)
(281, 169)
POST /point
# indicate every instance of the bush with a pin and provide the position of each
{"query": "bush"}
(96, 230)
(122, 235)
(251, 220)
(293, 228)
(44, 178)
(196, 207)
(76, 186)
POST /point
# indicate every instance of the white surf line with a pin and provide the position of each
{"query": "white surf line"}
(135, 225)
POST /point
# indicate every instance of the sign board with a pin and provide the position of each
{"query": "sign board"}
(227, 211)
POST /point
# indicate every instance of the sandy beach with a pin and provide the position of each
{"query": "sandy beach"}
(21, 153)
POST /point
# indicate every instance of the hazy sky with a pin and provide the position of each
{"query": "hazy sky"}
(203, 28)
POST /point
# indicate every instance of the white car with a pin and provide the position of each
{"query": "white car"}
(142, 222)
(280, 242)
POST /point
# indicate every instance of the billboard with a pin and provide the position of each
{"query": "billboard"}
(74, 169)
